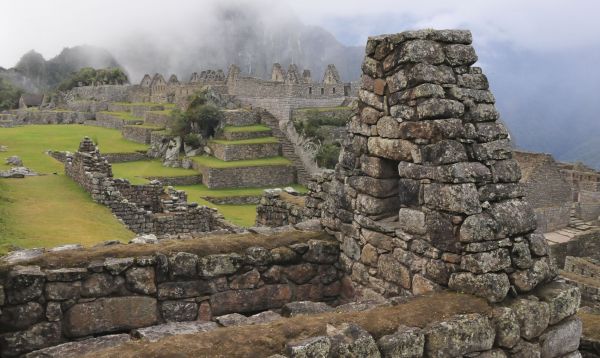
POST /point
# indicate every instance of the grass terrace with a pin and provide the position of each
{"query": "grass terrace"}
(136, 172)
(166, 105)
(52, 210)
(213, 162)
(251, 128)
(261, 140)
(127, 116)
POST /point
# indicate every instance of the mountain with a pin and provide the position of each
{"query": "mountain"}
(244, 36)
(34, 74)
(587, 152)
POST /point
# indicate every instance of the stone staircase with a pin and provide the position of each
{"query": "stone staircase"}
(287, 148)
(245, 154)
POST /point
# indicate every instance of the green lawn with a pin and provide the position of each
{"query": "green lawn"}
(213, 162)
(52, 210)
(261, 140)
(135, 172)
(127, 116)
(251, 128)
(30, 143)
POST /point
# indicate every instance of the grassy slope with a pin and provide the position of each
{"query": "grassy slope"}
(251, 128)
(213, 162)
(261, 140)
(30, 142)
(52, 210)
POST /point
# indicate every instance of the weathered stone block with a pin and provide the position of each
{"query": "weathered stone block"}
(371, 99)
(538, 244)
(308, 348)
(458, 198)
(508, 331)
(501, 191)
(458, 336)
(412, 221)
(372, 67)
(38, 336)
(527, 280)
(322, 252)
(392, 270)
(380, 188)
(250, 279)
(369, 115)
(441, 231)
(154, 333)
(301, 308)
(373, 206)
(409, 191)
(496, 150)
(109, 315)
(395, 149)
(443, 152)
(24, 283)
(533, 317)
(141, 280)
(561, 339)
(183, 289)
(219, 265)
(466, 172)
(397, 81)
(492, 286)
(17, 317)
(506, 171)
(439, 108)
(60, 291)
(406, 342)
(117, 265)
(490, 131)
(467, 94)
(482, 112)
(264, 298)
(424, 73)
(183, 264)
(350, 340)
(101, 284)
(520, 255)
(562, 298)
(417, 51)
(475, 81)
(460, 55)
(425, 90)
(484, 262)
(178, 311)
(66, 274)
(514, 217)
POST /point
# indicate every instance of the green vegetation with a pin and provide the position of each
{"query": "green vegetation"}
(166, 105)
(323, 109)
(328, 154)
(213, 162)
(87, 76)
(136, 172)
(315, 120)
(53, 210)
(30, 143)
(250, 128)
(261, 140)
(201, 118)
(127, 116)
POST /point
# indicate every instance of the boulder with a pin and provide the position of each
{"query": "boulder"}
(301, 308)
(458, 336)
(561, 339)
(14, 160)
(562, 298)
(309, 348)
(351, 340)
(80, 348)
(492, 286)
(508, 331)
(154, 333)
(38, 336)
(141, 280)
(406, 342)
(533, 317)
(232, 319)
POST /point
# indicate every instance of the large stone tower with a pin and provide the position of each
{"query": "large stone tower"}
(426, 191)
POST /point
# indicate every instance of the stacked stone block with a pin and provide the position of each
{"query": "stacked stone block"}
(426, 192)
(144, 209)
(43, 306)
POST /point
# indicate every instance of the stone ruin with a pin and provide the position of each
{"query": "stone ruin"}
(423, 200)
(144, 209)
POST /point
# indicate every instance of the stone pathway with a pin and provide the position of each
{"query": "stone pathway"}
(575, 228)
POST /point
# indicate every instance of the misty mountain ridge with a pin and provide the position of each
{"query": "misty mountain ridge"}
(35, 74)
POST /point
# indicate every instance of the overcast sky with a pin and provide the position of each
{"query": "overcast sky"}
(544, 25)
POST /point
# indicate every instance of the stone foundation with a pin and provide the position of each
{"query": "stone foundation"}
(43, 306)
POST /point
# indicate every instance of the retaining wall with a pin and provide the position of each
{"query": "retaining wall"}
(232, 152)
(244, 177)
(43, 306)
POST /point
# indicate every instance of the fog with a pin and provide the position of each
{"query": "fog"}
(540, 56)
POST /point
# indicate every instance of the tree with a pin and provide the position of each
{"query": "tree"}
(200, 118)
(87, 76)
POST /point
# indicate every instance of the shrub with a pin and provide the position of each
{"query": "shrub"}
(87, 76)
(9, 95)
(328, 155)
(200, 118)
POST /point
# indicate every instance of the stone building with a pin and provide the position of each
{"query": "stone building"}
(546, 188)
(28, 100)
(585, 184)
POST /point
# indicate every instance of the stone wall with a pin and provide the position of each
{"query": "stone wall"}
(139, 133)
(179, 180)
(232, 152)
(44, 306)
(584, 273)
(547, 190)
(160, 119)
(105, 93)
(272, 175)
(108, 120)
(582, 245)
(142, 208)
(34, 116)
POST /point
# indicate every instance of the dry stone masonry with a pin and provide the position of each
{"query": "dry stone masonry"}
(142, 208)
